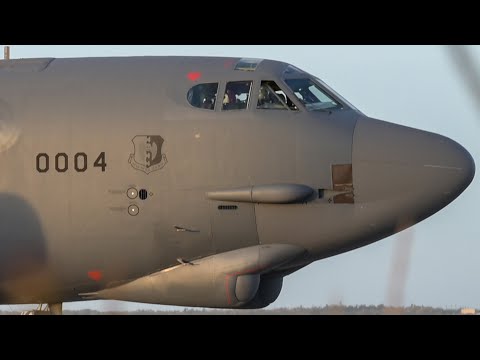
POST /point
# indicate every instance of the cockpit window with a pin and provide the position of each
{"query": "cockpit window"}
(237, 95)
(203, 96)
(293, 72)
(248, 64)
(311, 95)
(271, 96)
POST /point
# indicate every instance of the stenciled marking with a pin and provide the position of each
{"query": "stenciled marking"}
(62, 163)
(117, 208)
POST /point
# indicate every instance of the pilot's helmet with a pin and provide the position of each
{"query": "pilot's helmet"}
(263, 93)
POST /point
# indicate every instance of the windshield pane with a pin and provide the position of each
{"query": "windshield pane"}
(248, 64)
(203, 96)
(237, 95)
(269, 99)
(311, 95)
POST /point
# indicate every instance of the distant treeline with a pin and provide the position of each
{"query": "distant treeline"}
(326, 310)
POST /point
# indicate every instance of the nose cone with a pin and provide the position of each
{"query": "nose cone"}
(407, 172)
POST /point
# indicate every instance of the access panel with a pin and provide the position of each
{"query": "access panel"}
(233, 226)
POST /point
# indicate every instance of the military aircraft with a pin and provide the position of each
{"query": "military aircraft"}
(196, 181)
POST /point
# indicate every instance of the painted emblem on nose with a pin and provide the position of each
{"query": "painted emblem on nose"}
(147, 155)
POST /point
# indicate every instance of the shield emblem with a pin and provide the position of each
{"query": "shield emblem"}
(147, 156)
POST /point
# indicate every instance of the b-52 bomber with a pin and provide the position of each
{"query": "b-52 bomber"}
(196, 181)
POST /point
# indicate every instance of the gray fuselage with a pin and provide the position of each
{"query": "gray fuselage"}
(81, 138)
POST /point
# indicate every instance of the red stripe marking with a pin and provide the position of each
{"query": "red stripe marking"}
(95, 275)
(194, 76)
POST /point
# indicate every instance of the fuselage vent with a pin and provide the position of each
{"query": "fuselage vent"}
(228, 207)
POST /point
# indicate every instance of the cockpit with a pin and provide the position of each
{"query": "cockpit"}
(311, 95)
(294, 91)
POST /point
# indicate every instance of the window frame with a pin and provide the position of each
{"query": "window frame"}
(216, 97)
(341, 104)
(247, 108)
(286, 107)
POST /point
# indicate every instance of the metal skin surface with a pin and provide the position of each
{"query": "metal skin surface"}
(80, 227)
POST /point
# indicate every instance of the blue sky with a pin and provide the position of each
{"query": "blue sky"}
(417, 86)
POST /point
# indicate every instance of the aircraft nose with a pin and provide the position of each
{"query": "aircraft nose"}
(410, 171)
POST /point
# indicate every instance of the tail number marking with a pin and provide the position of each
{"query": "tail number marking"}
(63, 164)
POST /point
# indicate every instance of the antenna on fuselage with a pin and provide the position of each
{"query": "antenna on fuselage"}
(6, 53)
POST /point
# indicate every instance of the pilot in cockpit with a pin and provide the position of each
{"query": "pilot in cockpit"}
(268, 99)
(230, 98)
(262, 96)
(208, 101)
